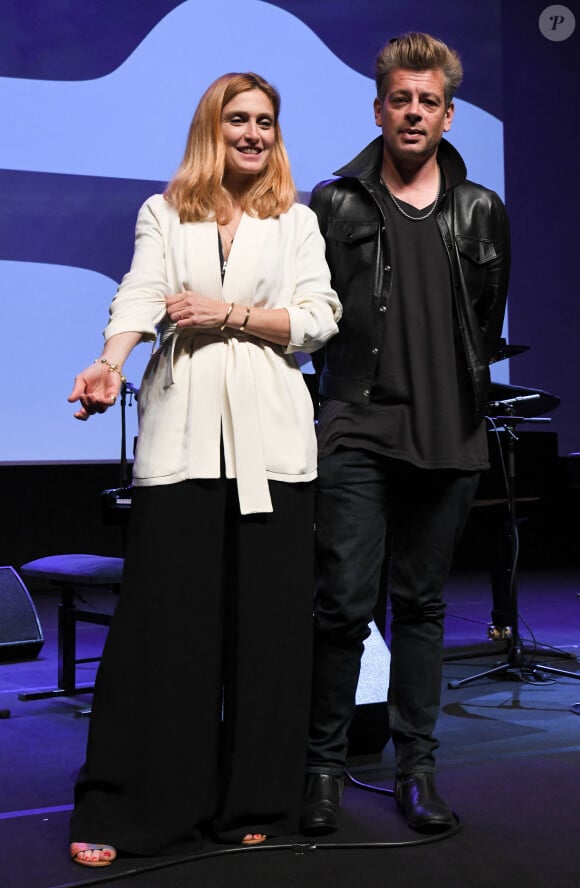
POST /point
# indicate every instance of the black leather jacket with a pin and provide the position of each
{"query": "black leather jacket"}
(475, 231)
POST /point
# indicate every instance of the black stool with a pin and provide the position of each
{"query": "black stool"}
(68, 573)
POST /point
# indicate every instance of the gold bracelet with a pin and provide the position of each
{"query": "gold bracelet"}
(228, 313)
(245, 321)
(113, 368)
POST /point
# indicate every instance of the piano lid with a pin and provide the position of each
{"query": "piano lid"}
(507, 351)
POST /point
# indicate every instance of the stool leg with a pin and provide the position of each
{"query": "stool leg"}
(67, 648)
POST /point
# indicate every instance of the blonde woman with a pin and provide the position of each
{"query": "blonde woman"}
(200, 711)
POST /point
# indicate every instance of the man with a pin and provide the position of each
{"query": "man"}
(420, 259)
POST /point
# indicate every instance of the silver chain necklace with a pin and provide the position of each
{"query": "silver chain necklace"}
(400, 208)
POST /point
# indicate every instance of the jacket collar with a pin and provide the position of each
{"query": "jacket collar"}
(366, 165)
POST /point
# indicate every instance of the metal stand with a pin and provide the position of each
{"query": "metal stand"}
(68, 617)
(517, 664)
(116, 501)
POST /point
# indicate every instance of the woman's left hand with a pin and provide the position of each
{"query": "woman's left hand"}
(188, 309)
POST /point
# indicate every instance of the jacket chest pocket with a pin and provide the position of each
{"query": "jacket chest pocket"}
(477, 259)
(351, 232)
(351, 242)
(479, 252)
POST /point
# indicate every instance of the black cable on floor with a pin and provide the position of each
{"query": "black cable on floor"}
(297, 848)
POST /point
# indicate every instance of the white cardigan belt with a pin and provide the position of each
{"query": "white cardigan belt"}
(252, 481)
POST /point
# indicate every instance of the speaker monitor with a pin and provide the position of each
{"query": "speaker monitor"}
(369, 730)
(20, 632)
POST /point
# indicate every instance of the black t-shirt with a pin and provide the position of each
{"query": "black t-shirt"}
(420, 407)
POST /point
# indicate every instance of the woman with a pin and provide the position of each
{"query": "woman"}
(200, 710)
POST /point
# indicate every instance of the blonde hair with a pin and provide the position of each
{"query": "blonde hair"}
(418, 52)
(197, 191)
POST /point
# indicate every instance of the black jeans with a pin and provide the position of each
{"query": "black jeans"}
(360, 496)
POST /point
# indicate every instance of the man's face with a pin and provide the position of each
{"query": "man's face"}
(413, 115)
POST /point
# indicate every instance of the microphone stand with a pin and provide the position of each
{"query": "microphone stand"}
(517, 664)
(125, 480)
(117, 501)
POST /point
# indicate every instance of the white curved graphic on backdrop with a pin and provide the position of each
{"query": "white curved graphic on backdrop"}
(133, 122)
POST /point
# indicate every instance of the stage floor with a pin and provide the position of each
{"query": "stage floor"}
(508, 764)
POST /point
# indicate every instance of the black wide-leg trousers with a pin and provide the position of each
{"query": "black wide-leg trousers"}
(200, 711)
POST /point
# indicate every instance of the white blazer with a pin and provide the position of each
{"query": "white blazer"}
(201, 387)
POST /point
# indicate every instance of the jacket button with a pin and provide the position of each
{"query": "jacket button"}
(383, 308)
(375, 350)
(387, 268)
(366, 393)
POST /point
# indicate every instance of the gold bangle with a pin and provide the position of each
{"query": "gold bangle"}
(245, 321)
(228, 313)
(113, 368)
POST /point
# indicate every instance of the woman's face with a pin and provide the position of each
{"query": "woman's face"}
(249, 133)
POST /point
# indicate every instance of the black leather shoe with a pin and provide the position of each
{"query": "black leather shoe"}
(417, 798)
(320, 811)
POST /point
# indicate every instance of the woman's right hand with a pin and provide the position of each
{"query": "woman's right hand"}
(188, 309)
(97, 388)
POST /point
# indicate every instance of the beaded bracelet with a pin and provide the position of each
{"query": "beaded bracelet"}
(228, 313)
(245, 321)
(113, 368)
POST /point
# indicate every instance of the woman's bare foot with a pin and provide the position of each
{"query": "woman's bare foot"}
(254, 839)
(88, 854)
